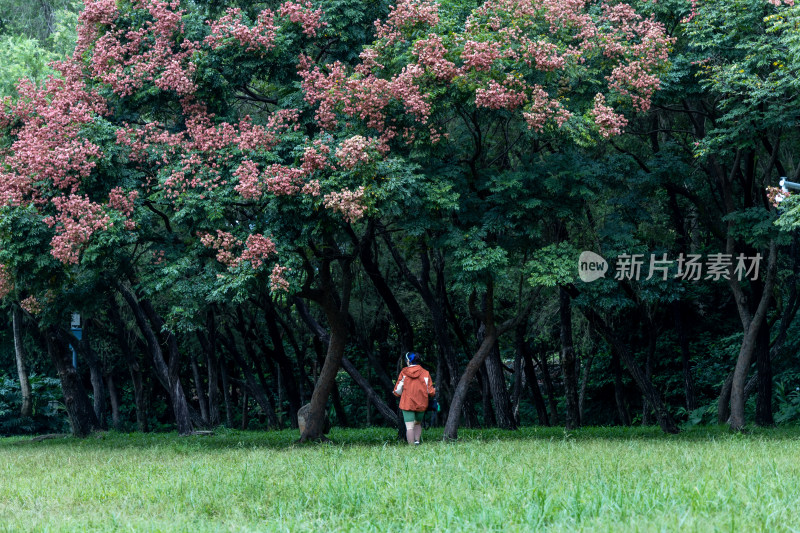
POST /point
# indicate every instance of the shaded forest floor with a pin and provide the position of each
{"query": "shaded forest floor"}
(595, 479)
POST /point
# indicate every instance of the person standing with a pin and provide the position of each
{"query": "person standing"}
(414, 387)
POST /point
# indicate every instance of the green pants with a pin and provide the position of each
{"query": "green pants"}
(413, 416)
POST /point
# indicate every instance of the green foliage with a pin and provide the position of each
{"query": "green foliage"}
(48, 415)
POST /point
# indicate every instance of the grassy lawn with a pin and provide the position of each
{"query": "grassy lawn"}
(595, 479)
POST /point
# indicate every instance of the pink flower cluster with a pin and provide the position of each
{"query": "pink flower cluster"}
(49, 146)
(363, 96)
(353, 151)
(315, 157)
(126, 59)
(406, 15)
(224, 243)
(77, 220)
(122, 201)
(480, 56)
(609, 122)
(430, 53)
(249, 186)
(304, 14)
(232, 27)
(497, 96)
(31, 305)
(277, 281)
(349, 203)
(311, 188)
(6, 286)
(257, 249)
(544, 108)
(282, 180)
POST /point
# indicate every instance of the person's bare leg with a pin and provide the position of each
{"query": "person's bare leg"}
(417, 431)
(410, 432)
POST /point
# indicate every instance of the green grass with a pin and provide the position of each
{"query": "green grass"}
(595, 479)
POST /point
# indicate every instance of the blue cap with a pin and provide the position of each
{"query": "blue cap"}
(410, 357)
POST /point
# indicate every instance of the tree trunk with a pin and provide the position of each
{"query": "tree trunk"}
(489, 338)
(645, 386)
(114, 400)
(764, 379)
(486, 398)
(584, 382)
(96, 374)
(648, 371)
(226, 394)
(337, 312)
(530, 376)
(255, 388)
(167, 374)
(548, 385)
(383, 408)
(678, 310)
(209, 344)
(79, 408)
(497, 384)
(200, 389)
(133, 364)
(619, 393)
(749, 343)
(338, 408)
(245, 408)
(19, 350)
(573, 419)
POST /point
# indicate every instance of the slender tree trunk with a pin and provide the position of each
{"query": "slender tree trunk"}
(749, 342)
(764, 379)
(255, 388)
(619, 393)
(338, 408)
(209, 345)
(19, 350)
(81, 413)
(573, 420)
(486, 398)
(226, 394)
(167, 374)
(133, 364)
(245, 408)
(497, 384)
(451, 428)
(584, 382)
(530, 376)
(200, 389)
(678, 310)
(648, 372)
(96, 374)
(113, 396)
(548, 385)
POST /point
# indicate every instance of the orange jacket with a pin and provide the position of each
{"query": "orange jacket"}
(414, 386)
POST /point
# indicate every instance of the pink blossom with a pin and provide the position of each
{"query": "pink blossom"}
(277, 281)
(257, 249)
(349, 203)
(353, 151)
(77, 220)
(609, 122)
(31, 305)
(304, 14)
